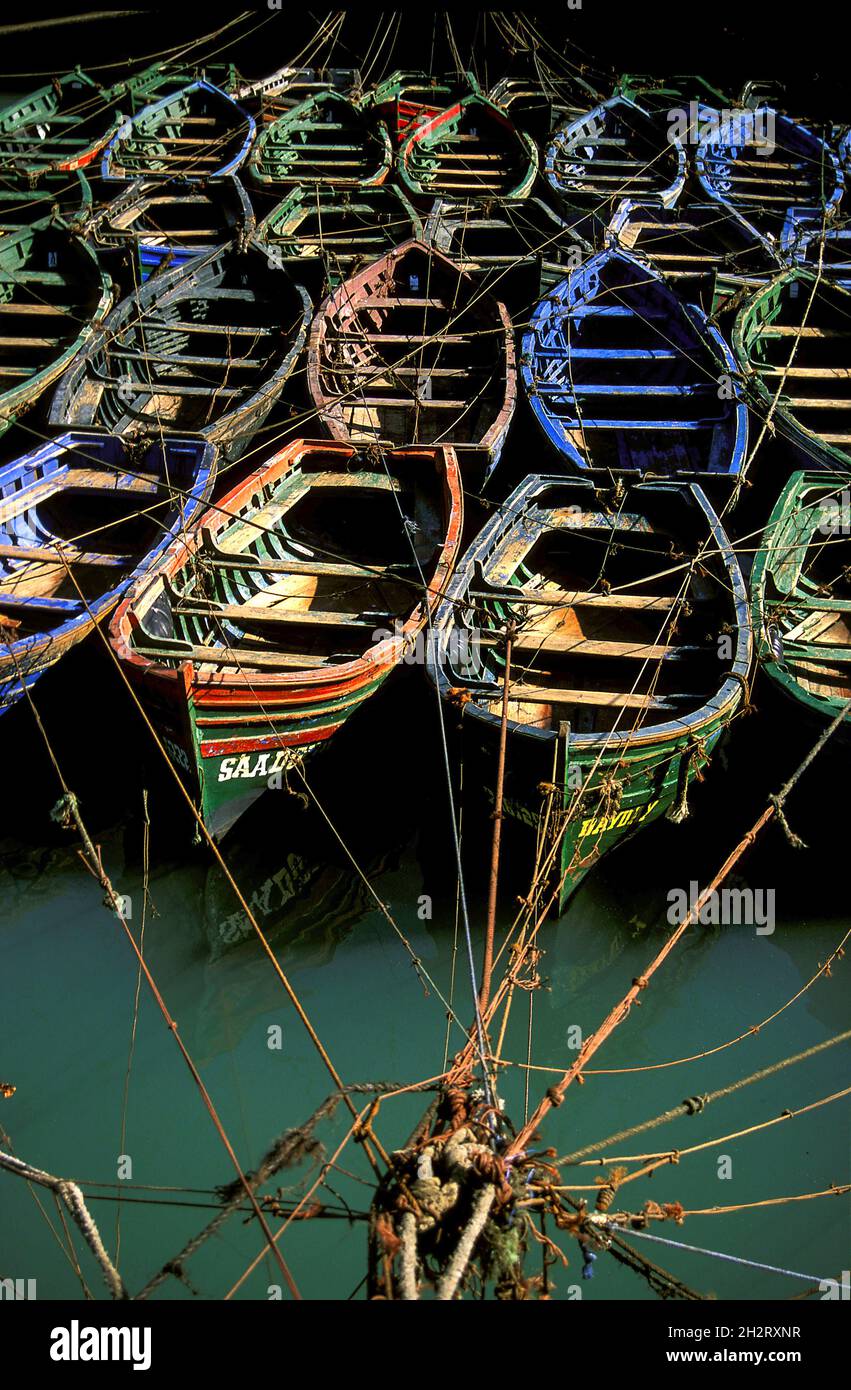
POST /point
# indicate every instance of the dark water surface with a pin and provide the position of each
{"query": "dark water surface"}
(68, 979)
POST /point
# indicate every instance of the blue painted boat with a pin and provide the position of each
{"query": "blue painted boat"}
(81, 520)
(615, 151)
(762, 163)
(806, 241)
(706, 253)
(214, 135)
(625, 377)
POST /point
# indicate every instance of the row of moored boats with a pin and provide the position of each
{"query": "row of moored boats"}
(282, 350)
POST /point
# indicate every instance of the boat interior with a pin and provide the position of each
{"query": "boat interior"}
(69, 119)
(342, 226)
(73, 525)
(765, 163)
(799, 344)
(173, 214)
(694, 246)
(196, 132)
(327, 141)
(475, 153)
(414, 354)
(49, 291)
(199, 349)
(615, 151)
(808, 592)
(625, 375)
(612, 632)
(309, 569)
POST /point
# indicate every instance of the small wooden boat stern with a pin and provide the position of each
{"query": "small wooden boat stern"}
(615, 151)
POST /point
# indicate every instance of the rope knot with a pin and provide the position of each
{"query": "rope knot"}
(694, 1104)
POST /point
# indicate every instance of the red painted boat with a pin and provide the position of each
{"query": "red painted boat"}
(291, 602)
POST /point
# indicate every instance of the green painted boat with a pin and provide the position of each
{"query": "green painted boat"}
(792, 340)
(162, 225)
(338, 228)
(405, 100)
(470, 150)
(671, 94)
(518, 250)
(327, 140)
(630, 651)
(801, 596)
(66, 123)
(64, 197)
(286, 608)
(53, 299)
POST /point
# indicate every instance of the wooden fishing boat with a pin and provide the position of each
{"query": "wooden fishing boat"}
(793, 342)
(53, 299)
(801, 597)
(405, 100)
(538, 107)
(822, 248)
(470, 150)
(213, 137)
(707, 253)
(65, 198)
(669, 95)
(286, 608)
(288, 87)
(81, 519)
(409, 351)
(66, 123)
(164, 225)
(761, 163)
(617, 150)
(338, 228)
(622, 375)
(507, 244)
(616, 695)
(327, 140)
(205, 348)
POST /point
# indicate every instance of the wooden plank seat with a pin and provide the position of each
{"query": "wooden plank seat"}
(191, 326)
(581, 646)
(52, 555)
(553, 695)
(566, 598)
(224, 656)
(258, 613)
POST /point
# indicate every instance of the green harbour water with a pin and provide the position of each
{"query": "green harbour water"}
(68, 981)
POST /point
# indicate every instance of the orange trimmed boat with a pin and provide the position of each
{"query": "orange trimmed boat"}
(291, 602)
